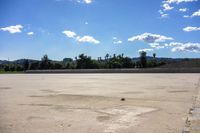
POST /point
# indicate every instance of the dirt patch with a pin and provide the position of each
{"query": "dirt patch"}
(49, 91)
(35, 118)
(5, 88)
(40, 104)
(178, 91)
(122, 118)
(160, 87)
(103, 118)
(36, 96)
(77, 98)
(133, 92)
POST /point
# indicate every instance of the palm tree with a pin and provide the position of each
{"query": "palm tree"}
(143, 59)
(45, 62)
(107, 56)
(154, 55)
(154, 59)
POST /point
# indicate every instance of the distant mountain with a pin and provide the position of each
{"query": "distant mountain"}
(159, 59)
(65, 60)
(186, 63)
(20, 61)
(4, 62)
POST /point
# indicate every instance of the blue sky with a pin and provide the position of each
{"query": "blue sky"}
(67, 28)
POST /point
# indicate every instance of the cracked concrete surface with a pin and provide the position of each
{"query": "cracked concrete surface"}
(193, 120)
(88, 103)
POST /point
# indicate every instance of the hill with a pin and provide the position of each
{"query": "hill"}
(185, 63)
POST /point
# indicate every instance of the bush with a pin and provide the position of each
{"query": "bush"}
(6, 68)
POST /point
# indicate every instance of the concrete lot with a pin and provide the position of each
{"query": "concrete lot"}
(90, 103)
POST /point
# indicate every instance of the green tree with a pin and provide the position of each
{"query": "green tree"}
(12, 68)
(57, 65)
(6, 68)
(34, 65)
(107, 56)
(143, 59)
(85, 62)
(127, 62)
(154, 59)
(45, 62)
(70, 65)
(26, 64)
(154, 55)
(19, 68)
(66, 60)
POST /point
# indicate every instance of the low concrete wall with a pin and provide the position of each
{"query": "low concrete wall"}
(147, 70)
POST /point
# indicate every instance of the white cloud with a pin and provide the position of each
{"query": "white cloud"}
(13, 29)
(83, 39)
(186, 16)
(30, 33)
(190, 28)
(150, 38)
(160, 47)
(114, 38)
(183, 9)
(160, 11)
(172, 44)
(145, 50)
(162, 14)
(167, 7)
(178, 1)
(85, 1)
(189, 47)
(197, 13)
(117, 42)
(88, 1)
(166, 4)
(88, 39)
(156, 45)
(69, 34)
